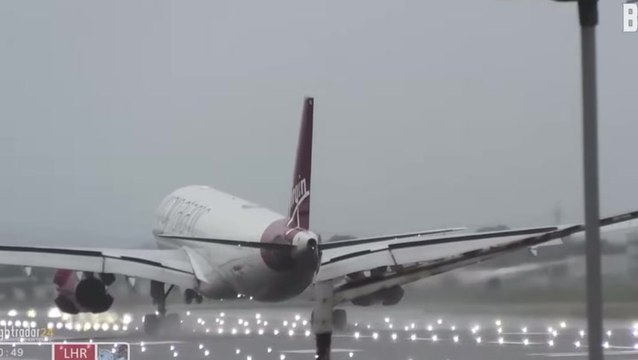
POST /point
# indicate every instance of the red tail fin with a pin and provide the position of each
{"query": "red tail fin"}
(299, 212)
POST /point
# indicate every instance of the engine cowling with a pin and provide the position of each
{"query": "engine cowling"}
(88, 294)
(387, 297)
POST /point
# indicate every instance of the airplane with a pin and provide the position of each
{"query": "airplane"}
(219, 246)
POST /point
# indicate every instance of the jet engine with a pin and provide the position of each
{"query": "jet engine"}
(389, 296)
(88, 294)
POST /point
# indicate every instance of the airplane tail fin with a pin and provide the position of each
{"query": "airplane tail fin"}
(299, 211)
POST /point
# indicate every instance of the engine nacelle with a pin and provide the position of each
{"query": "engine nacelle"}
(389, 296)
(82, 295)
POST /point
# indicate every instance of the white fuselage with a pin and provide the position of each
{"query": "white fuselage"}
(230, 271)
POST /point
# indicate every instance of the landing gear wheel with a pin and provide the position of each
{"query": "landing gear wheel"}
(189, 296)
(339, 319)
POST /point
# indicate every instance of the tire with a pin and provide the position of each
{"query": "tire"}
(189, 296)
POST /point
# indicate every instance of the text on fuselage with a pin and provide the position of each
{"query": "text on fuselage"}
(179, 216)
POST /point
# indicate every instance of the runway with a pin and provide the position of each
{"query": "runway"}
(373, 333)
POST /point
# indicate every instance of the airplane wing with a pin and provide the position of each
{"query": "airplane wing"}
(182, 267)
(374, 239)
(409, 261)
(169, 266)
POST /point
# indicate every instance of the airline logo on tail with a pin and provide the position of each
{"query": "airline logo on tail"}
(300, 193)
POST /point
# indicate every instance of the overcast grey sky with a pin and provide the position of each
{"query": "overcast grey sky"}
(428, 113)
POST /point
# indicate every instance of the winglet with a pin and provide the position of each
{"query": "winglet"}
(299, 211)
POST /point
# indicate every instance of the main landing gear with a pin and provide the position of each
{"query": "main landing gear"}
(161, 323)
(325, 319)
(190, 295)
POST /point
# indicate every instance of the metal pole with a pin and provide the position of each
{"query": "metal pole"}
(588, 14)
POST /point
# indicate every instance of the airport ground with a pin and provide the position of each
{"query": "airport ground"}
(252, 332)
(532, 315)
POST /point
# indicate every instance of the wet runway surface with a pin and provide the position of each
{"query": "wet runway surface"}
(373, 333)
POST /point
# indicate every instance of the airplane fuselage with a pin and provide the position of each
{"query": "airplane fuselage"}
(234, 271)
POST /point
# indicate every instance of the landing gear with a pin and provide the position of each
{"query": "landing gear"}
(190, 295)
(322, 319)
(161, 323)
